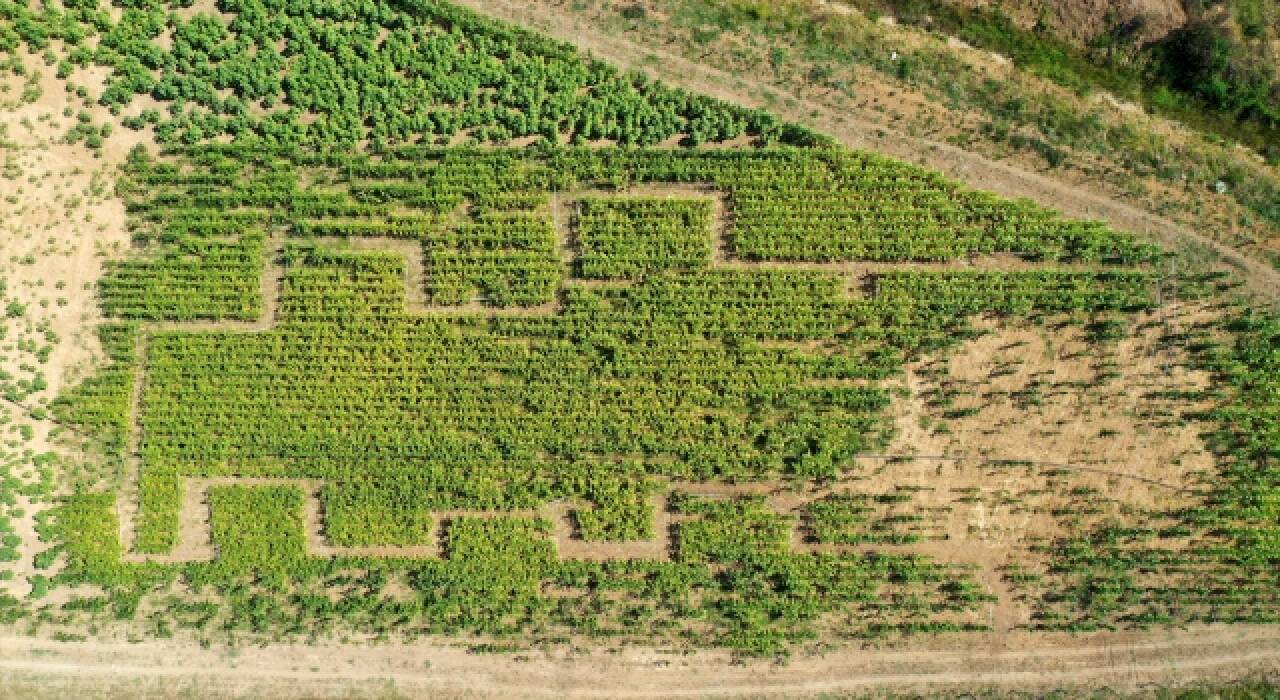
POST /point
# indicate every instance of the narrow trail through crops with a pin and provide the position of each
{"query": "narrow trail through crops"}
(863, 132)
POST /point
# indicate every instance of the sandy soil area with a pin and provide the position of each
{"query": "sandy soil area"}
(168, 668)
(59, 220)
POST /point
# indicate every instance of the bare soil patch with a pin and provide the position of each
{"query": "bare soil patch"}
(59, 220)
(1120, 662)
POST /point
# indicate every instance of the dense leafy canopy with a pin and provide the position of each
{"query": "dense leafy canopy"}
(357, 72)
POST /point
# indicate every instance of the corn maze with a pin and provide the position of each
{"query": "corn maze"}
(433, 326)
(515, 373)
(525, 263)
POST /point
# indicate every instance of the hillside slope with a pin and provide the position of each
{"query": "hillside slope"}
(1210, 64)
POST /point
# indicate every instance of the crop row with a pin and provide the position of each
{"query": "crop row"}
(191, 278)
(629, 238)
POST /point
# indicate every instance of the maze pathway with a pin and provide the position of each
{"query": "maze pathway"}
(195, 542)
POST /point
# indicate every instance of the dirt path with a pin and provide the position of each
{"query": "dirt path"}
(1118, 661)
(861, 131)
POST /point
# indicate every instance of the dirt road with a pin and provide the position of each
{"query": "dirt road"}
(1117, 661)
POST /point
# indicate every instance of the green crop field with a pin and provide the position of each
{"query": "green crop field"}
(433, 326)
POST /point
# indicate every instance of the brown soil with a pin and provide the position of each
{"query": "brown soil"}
(166, 668)
(59, 220)
(1022, 385)
(1050, 396)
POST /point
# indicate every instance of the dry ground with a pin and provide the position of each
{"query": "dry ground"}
(172, 668)
(59, 220)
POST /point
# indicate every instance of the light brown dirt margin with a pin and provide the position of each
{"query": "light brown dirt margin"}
(1120, 662)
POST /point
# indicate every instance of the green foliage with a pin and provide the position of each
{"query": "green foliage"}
(632, 237)
(499, 557)
(729, 531)
(395, 407)
(507, 258)
(160, 501)
(620, 510)
(677, 366)
(100, 403)
(258, 531)
(1203, 60)
(87, 528)
(851, 518)
(191, 279)
(381, 72)
(359, 513)
(685, 356)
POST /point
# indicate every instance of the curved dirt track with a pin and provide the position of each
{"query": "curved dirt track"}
(859, 131)
(1120, 662)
